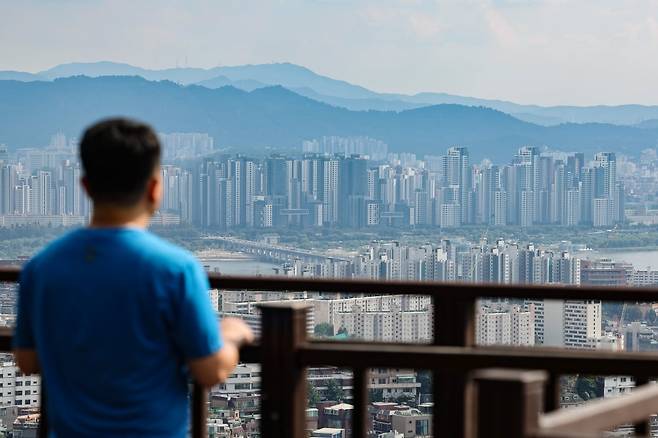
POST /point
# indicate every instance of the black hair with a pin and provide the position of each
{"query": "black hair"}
(118, 158)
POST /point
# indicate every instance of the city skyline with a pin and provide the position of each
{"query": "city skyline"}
(541, 52)
(350, 183)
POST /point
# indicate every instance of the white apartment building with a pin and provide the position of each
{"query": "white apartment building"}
(644, 277)
(387, 326)
(17, 389)
(326, 311)
(570, 324)
(582, 323)
(504, 324)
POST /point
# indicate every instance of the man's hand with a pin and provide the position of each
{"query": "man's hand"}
(234, 330)
(27, 360)
(216, 368)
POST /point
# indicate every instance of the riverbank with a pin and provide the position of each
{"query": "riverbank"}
(626, 249)
(221, 255)
(640, 258)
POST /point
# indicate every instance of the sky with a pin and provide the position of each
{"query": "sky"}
(546, 52)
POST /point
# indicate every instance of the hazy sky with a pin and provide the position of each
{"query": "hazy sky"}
(529, 51)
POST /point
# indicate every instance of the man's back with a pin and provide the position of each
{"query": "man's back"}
(114, 314)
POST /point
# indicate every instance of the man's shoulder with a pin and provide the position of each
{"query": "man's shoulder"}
(167, 262)
(55, 249)
(162, 252)
(143, 245)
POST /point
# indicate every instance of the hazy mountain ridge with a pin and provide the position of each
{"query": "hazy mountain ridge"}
(10, 75)
(341, 93)
(278, 117)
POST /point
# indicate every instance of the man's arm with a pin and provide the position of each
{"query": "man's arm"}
(215, 368)
(27, 360)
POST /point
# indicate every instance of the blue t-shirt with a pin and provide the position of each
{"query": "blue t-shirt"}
(114, 315)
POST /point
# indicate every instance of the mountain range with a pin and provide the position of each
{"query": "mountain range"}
(276, 117)
(341, 93)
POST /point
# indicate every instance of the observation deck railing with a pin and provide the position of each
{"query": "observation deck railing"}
(478, 392)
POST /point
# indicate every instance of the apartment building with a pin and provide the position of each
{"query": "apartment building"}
(17, 389)
(568, 323)
(505, 324)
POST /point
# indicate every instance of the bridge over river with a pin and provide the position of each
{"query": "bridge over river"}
(273, 252)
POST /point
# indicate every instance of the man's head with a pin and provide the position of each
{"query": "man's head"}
(121, 162)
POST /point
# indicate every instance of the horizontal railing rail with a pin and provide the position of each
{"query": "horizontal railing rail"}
(520, 396)
(442, 290)
(354, 354)
(602, 414)
(452, 356)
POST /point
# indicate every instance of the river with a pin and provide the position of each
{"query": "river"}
(241, 266)
(640, 259)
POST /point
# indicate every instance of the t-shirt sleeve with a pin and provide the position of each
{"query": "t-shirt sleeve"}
(196, 328)
(24, 330)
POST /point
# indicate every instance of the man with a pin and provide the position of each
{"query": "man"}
(114, 317)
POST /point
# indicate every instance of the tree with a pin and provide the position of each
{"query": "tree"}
(405, 399)
(375, 395)
(424, 377)
(651, 317)
(334, 391)
(589, 387)
(633, 313)
(323, 330)
(313, 396)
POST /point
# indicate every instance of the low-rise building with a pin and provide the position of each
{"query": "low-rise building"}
(244, 380)
(338, 416)
(328, 432)
(411, 423)
(394, 383)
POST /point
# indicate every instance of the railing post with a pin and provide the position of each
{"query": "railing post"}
(644, 427)
(360, 402)
(283, 402)
(454, 325)
(43, 416)
(508, 402)
(552, 393)
(199, 411)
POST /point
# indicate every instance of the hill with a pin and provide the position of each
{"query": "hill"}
(277, 117)
(341, 93)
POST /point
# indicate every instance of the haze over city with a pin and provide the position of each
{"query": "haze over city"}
(545, 52)
(442, 176)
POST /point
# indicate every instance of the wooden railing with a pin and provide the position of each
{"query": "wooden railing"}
(478, 391)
